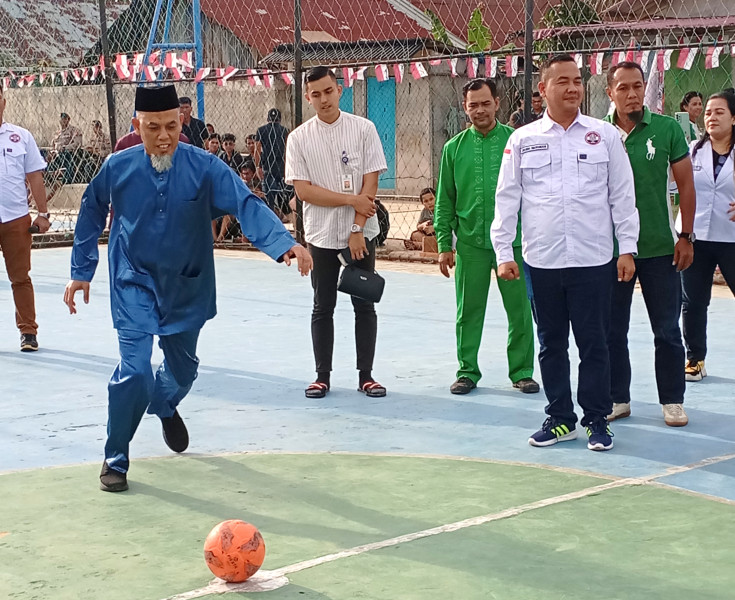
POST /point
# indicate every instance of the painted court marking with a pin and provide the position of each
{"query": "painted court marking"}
(271, 580)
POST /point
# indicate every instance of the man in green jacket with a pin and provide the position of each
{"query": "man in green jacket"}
(465, 207)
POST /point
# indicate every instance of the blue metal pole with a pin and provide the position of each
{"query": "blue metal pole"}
(152, 34)
(199, 51)
(166, 30)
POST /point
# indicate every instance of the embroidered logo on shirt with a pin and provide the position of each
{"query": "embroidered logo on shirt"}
(14, 137)
(650, 150)
(534, 148)
(592, 138)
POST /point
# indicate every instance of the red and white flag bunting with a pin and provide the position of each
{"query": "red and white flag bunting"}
(418, 70)
(64, 79)
(85, 73)
(220, 74)
(491, 66)
(381, 72)
(254, 79)
(360, 73)
(596, 63)
(712, 58)
(398, 72)
(645, 61)
(288, 78)
(201, 74)
(76, 74)
(435, 62)
(453, 66)
(511, 66)
(686, 58)
(578, 59)
(95, 72)
(170, 60)
(663, 60)
(42, 77)
(268, 80)
(149, 73)
(6, 83)
(348, 74)
(122, 66)
(176, 73)
(186, 61)
(472, 64)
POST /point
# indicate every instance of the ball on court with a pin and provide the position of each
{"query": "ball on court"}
(234, 550)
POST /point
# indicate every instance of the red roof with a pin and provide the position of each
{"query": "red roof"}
(267, 23)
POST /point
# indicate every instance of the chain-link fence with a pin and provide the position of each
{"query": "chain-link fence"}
(402, 64)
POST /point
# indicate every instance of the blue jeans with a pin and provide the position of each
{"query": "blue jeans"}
(580, 296)
(133, 388)
(696, 284)
(661, 287)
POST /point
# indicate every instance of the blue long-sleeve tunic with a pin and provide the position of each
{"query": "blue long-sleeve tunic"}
(160, 249)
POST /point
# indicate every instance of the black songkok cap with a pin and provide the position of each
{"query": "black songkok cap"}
(156, 99)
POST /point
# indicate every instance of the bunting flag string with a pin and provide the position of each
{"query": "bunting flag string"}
(491, 66)
(418, 70)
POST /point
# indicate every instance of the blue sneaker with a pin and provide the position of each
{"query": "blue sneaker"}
(600, 436)
(552, 432)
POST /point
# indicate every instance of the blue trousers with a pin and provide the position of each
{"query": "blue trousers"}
(661, 287)
(133, 387)
(580, 296)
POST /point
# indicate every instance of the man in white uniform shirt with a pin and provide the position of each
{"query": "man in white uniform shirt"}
(570, 177)
(333, 161)
(21, 162)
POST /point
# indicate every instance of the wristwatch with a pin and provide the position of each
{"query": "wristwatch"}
(689, 237)
(355, 228)
(46, 216)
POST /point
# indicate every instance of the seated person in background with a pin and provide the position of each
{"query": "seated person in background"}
(247, 174)
(62, 160)
(210, 129)
(231, 156)
(250, 146)
(100, 142)
(212, 144)
(425, 227)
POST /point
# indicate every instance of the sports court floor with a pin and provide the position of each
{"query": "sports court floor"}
(417, 496)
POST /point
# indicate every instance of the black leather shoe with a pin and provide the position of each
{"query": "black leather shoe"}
(174, 432)
(28, 342)
(527, 386)
(463, 385)
(112, 480)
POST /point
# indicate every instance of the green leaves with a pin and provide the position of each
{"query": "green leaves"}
(479, 37)
(438, 31)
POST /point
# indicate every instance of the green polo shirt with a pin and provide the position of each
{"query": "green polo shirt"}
(654, 144)
(465, 195)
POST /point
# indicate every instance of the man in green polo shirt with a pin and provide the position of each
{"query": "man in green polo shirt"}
(654, 143)
(465, 206)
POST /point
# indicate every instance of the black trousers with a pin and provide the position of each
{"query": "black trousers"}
(324, 277)
(697, 288)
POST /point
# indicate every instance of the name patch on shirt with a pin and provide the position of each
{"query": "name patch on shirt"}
(534, 148)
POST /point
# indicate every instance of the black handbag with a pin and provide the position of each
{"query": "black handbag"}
(361, 283)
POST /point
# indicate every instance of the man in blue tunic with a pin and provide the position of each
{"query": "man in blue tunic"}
(164, 195)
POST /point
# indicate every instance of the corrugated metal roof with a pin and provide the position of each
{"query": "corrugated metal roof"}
(53, 33)
(355, 52)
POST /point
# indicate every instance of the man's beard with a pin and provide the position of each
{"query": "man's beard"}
(162, 162)
(636, 116)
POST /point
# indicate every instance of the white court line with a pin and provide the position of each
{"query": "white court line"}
(270, 580)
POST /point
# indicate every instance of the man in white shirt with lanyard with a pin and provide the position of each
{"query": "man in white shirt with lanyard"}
(21, 162)
(570, 177)
(333, 160)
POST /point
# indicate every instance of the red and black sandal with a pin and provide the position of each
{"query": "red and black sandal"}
(372, 389)
(316, 390)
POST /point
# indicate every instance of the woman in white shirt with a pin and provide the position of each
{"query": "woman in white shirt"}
(693, 104)
(714, 226)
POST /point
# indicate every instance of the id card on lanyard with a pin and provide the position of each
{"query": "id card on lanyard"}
(348, 183)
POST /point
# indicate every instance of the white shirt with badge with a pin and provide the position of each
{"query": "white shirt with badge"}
(20, 156)
(572, 187)
(335, 156)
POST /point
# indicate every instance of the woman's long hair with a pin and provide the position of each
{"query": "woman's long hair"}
(688, 97)
(730, 99)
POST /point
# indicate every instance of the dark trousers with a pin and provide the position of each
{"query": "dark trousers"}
(324, 277)
(661, 287)
(580, 296)
(15, 241)
(696, 284)
(133, 387)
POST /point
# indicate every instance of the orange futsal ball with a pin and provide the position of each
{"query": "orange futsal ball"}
(234, 550)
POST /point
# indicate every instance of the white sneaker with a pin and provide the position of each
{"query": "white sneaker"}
(695, 371)
(620, 410)
(674, 415)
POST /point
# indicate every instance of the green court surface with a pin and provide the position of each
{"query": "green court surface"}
(547, 533)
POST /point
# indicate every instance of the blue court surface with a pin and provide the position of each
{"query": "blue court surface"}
(248, 401)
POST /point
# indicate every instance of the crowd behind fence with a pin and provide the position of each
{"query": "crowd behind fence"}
(402, 66)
